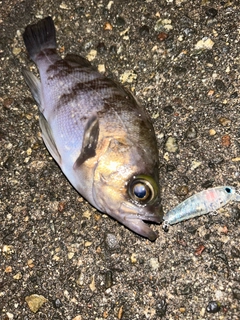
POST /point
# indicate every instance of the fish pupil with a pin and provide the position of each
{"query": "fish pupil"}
(140, 190)
(228, 190)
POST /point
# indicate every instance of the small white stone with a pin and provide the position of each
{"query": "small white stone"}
(154, 264)
(92, 55)
(205, 44)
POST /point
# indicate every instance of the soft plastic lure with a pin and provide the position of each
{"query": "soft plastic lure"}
(200, 204)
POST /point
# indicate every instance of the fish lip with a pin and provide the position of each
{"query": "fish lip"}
(150, 213)
(133, 217)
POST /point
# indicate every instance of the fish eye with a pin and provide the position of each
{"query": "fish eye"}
(228, 190)
(142, 189)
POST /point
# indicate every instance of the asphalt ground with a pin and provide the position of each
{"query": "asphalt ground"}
(181, 59)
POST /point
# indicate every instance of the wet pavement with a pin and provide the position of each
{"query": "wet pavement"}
(62, 259)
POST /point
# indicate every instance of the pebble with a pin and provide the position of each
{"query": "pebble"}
(111, 241)
(162, 36)
(128, 76)
(182, 190)
(35, 302)
(91, 55)
(16, 51)
(179, 70)
(219, 84)
(212, 132)
(8, 269)
(170, 167)
(154, 263)
(120, 22)
(7, 103)
(191, 133)
(110, 3)
(207, 184)
(234, 95)
(92, 284)
(101, 48)
(120, 313)
(163, 25)
(224, 121)
(195, 164)
(57, 303)
(204, 44)
(101, 68)
(113, 49)
(236, 293)
(9, 315)
(8, 249)
(235, 252)
(226, 140)
(161, 308)
(186, 290)
(171, 144)
(213, 307)
(107, 26)
(64, 6)
(17, 276)
(133, 258)
(168, 109)
(144, 30)
(199, 250)
(211, 12)
(108, 279)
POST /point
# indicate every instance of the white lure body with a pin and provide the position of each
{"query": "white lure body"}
(201, 203)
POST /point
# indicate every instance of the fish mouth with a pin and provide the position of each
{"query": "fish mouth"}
(133, 217)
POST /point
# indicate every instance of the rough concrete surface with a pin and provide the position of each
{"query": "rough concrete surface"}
(181, 59)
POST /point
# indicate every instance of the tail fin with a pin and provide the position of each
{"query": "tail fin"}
(40, 36)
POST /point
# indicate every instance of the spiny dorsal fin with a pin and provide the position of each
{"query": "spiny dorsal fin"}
(75, 60)
(90, 140)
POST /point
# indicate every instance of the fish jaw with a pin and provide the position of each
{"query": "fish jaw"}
(133, 217)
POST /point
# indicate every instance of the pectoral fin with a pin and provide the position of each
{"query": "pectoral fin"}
(34, 85)
(48, 138)
(90, 140)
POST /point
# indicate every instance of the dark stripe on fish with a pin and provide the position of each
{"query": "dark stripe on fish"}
(104, 91)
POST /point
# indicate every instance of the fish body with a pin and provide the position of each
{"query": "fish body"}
(97, 132)
(201, 203)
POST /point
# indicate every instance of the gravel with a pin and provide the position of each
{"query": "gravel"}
(181, 59)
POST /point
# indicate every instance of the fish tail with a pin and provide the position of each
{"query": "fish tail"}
(40, 36)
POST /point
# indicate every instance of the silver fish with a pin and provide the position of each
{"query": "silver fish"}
(97, 132)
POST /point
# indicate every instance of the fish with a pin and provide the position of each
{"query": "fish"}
(98, 133)
(200, 203)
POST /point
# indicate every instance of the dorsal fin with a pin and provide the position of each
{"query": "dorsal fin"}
(90, 140)
(75, 60)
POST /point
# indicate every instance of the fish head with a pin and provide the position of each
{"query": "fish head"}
(126, 187)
